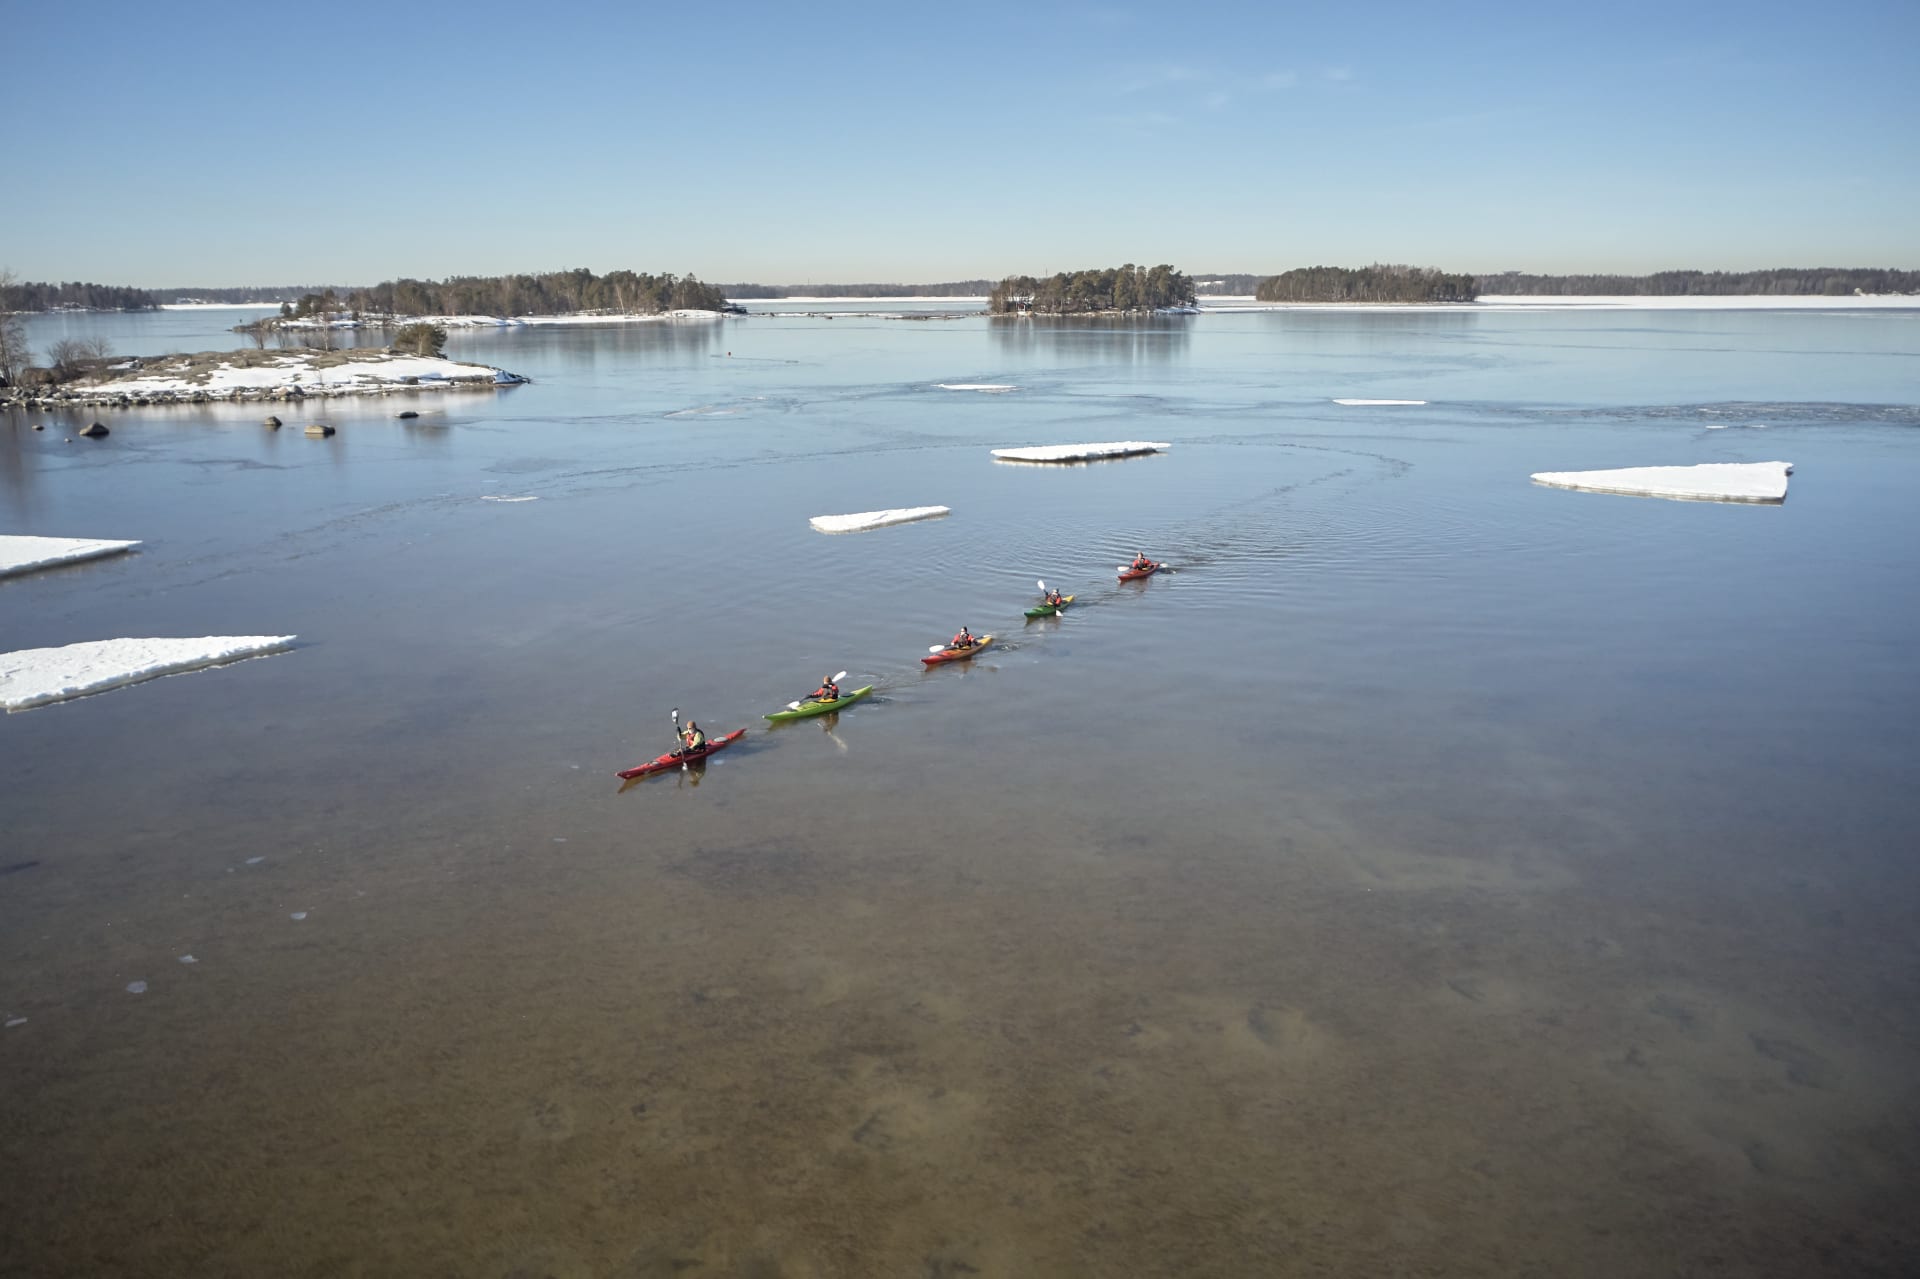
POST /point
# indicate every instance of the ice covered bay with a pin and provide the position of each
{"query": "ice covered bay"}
(1707, 482)
(20, 554)
(40, 676)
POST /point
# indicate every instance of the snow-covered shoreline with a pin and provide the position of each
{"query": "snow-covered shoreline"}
(265, 375)
(23, 554)
(1221, 304)
(497, 321)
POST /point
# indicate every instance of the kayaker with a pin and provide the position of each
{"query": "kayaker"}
(1140, 561)
(827, 692)
(692, 739)
(964, 639)
(1055, 598)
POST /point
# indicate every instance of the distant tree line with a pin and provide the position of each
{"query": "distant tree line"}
(1125, 288)
(1225, 283)
(261, 293)
(1819, 281)
(33, 295)
(1380, 282)
(550, 293)
(946, 289)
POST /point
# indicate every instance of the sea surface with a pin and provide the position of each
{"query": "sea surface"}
(1433, 874)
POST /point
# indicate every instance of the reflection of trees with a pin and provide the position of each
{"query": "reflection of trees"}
(1150, 339)
(582, 346)
(16, 474)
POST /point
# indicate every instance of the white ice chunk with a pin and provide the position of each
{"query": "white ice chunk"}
(1379, 401)
(39, 676)
(1080, 452)
(15, 1021)
(864, 520)
(20, 554)
(136, 988)
(495, 497)
(990, 388)
(1708, 482)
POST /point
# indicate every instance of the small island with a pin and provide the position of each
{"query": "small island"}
(1369, 284)
(1124, 290)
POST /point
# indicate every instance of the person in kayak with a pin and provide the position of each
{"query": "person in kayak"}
(827, 692)
(1055, 598)
(964, 639)
(692, 740)
(1141, 562)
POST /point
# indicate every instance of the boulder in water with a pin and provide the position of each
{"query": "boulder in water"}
(95, 432)
(319, 430)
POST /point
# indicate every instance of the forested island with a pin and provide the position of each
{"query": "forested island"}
(550, 293)
(1820, 281)
(1122, 290)
(38, 295)
(1377, 283)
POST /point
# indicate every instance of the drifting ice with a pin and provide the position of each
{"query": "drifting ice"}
(876, 519)
(40, 676)
(1080, 452)
(991, 388)
(25, 554)
(1379, 401)
(1709, 482)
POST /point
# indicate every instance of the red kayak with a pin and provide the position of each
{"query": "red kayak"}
(677, 758)
(1135, 574)
(958, 654)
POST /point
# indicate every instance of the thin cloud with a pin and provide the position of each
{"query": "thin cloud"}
(1338, 73)
(1279, 80)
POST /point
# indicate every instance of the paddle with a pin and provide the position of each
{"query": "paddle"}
(682, 742)
(794, 706)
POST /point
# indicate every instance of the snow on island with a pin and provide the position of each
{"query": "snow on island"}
(40, 676)
(1708, 482)
(865, 520)
(20, 554)
(1352, 402)
(272, 375)
(1080, 452)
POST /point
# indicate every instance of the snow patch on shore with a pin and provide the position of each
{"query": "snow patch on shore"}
(41, 676)
(1708, 482)
(864, 520)
(286, 371)
(21, 554)
(1080, 452)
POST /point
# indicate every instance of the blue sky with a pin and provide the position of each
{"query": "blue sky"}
(216, 143)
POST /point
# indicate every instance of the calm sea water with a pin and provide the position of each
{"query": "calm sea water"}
(1436, 873)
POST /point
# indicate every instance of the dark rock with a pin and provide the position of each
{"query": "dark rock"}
(39, 426)
(406, 413)
(319, 430)
(272, 421)
(95, 432)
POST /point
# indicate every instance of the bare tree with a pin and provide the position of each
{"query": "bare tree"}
(15, 357)
(96, 347)
(66, 356)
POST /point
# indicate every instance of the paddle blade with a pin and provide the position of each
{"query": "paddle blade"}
(936, 648)
(793, 706)
(1041, 585)
(839, 676)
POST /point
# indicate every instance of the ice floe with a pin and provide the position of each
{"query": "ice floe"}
(496, 497)
(1081, 452)
(20, 554)
(40, 676)
(15, 1021)
(863, 520)
(136, 988)
(1707, 482)
(1352, 402)
(989, 388)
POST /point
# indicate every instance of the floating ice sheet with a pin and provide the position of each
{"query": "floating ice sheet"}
(863, 520)
(1354, 402)
(40, 676)
(20, 554)
(1080, 452)
(1708, 482)
(988, 388)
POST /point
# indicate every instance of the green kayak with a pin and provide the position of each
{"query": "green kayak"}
(821, 708)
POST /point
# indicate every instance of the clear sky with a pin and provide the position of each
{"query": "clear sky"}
(209, 143)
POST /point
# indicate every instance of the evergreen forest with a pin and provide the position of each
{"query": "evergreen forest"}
(1376, 283)
(1123, 289)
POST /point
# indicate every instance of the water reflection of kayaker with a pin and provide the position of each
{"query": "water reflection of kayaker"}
(827, 692)
(964, 639)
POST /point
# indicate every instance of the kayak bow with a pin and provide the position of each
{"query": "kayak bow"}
(675, 759)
